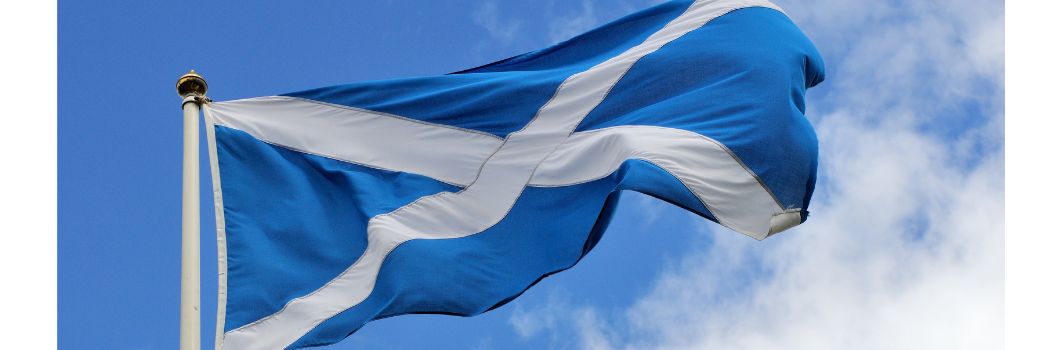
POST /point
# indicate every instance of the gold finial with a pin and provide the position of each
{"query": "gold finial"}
(191, 83)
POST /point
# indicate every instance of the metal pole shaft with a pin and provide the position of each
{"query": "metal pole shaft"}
(190, 320)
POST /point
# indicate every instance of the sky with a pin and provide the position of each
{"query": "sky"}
(904, 249)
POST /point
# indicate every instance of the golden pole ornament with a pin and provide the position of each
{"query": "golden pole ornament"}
(191, 83)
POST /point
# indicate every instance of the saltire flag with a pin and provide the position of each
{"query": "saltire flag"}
(454, 194)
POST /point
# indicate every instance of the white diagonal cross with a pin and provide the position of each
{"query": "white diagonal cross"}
(538, 155)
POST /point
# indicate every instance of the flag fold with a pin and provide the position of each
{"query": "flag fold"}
(454, 194)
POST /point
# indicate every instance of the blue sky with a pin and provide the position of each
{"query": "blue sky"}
(905, 248)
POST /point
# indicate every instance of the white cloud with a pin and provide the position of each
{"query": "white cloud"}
(565, 27)
(544, 318)
(905, 247)
(505, 30)
(904, 251)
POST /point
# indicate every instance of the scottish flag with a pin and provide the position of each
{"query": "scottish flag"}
(453, 194)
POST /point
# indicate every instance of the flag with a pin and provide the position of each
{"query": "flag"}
(454, 194)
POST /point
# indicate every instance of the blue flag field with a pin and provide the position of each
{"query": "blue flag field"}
(454, 194)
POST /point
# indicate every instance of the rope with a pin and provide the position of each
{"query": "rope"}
(199, 100)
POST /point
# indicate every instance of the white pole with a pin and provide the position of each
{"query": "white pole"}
(189, 87)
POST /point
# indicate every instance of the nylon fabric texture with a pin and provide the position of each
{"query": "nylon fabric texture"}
(339, 202)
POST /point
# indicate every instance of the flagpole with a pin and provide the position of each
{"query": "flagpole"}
(190, 87)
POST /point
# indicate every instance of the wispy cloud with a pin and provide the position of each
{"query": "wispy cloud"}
(905, 248)
(548, 318)
(515, 27)
(906, 251)
(565, 27)
(504, 30)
